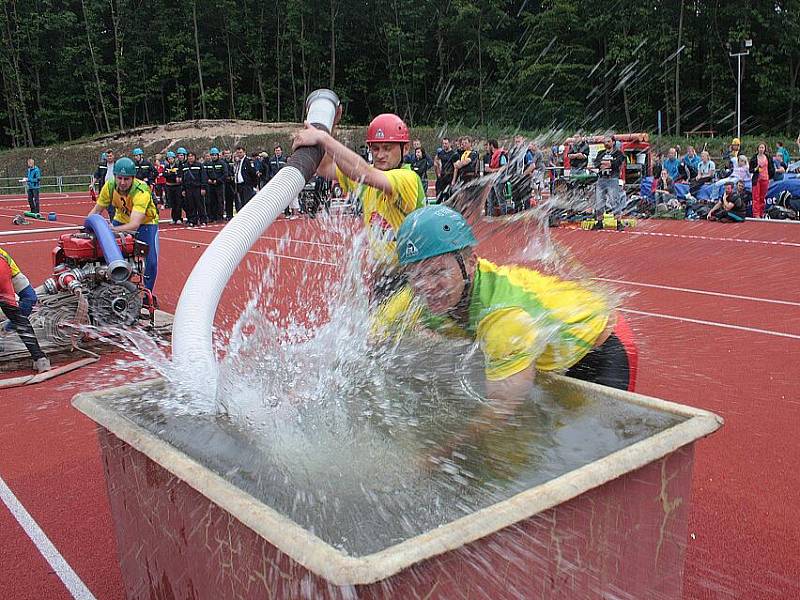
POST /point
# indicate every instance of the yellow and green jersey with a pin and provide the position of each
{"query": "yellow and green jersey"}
(138, 199)
(384, 213)
(6, 257)
(518, 316)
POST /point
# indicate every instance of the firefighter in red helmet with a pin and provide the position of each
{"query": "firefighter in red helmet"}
(388, 190)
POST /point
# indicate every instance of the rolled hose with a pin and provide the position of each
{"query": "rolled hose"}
(192, 330)
(118, 268)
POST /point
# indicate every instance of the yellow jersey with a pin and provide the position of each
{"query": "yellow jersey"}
(517, 315)
(138, 199)
(384, 213)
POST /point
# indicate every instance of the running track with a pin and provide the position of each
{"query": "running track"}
(717, 311)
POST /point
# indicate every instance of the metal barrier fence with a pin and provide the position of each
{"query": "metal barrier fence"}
(48, 183)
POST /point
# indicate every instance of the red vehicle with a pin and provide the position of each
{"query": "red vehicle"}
(636, 148)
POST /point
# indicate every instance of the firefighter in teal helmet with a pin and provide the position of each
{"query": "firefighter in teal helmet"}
(134, 211)
(144, 168)
(172, 186)
(522, 320)
(216, 175)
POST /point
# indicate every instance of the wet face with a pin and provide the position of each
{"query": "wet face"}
(124, 183)
(386, 155)
(438, 281)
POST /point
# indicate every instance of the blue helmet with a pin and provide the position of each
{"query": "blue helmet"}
(125, 166)
(170, 154)
(214, 150)
(182, 150)
(431, 231)
(137, 152)
(103, 156)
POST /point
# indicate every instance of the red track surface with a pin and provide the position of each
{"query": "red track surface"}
(745, 517)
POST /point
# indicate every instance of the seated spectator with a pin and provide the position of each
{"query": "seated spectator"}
(780, 166)
(732, 207)
(664, 187)
(706, 169)
(672, 164)
(691, 161)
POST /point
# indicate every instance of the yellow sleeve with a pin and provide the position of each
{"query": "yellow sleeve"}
(395, 315)
(141, 202)
(104, 199)
(405, 189)
(510, 340)
(12, 265)
(347, 184)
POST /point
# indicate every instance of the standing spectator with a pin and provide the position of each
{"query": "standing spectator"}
(466, 167)
(245, 177)
(158, 165)
(277, 162)
(172, 187)
(496, 200)
(231, 199)
(730, 157)
(216, 172)
(420, 166)
(257, 162)
(193, 180)
(672, 164)
(144, 168)
(785, 157)
(536, 167)
(32, 179)
(763, 171)
(446, 156)
(780, 166)
(410, 157)
(608, 163)
(521, 159)
(104, 171)
(579, 156)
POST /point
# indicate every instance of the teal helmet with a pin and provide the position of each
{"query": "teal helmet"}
(431, 231)
(214, 150)
(138, 152)
(182, 150)
(170, 154)
(125, 166)
(103, 156)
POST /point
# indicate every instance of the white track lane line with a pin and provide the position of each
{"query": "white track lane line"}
(46, 548)
(693, 291)
(710, 323)
(701, 237)
(260, 253)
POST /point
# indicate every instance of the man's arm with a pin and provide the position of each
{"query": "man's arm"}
(136, 219)
(339, 155)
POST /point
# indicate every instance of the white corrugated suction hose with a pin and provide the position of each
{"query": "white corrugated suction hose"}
(192, 330)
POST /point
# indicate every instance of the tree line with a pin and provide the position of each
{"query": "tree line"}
(74, 68)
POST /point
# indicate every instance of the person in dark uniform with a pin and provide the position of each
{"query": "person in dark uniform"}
(231, 199)
(276, 163)
(245, 176)
(216, 173)
(443, 165)
(144, 168)
(172, 186)
(194, 183)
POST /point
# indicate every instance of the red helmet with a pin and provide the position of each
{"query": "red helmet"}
(387, 127)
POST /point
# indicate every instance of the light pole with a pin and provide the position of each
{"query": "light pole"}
(739, 49)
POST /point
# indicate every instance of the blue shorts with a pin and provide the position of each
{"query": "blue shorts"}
(149, 235)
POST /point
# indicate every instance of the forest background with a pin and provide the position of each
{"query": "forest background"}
(72, 69)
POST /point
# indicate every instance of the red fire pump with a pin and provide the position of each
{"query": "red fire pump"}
(116, 293)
